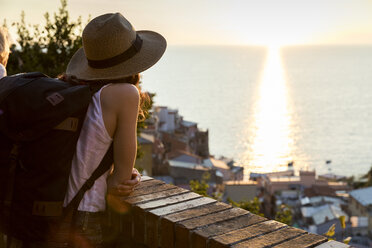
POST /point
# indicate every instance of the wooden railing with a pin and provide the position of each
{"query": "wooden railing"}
(157, 214)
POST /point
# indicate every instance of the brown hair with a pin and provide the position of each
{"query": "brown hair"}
(145, 100)
(4, 45)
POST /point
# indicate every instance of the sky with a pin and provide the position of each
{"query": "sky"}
(223, 22)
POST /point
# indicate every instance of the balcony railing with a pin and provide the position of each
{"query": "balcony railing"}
(157, 214)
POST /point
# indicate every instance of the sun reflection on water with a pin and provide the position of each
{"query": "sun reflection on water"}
(271, 142)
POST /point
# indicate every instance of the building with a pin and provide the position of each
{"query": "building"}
(319, 190)
(320, 212)
(174, 142)
(240, 190)
(331, 177)
(183, 156)
(168, 119)
(184, 171)
(273, 184)
(188, 128)
(202, 143)
(220, 166)
(145, 162)
(360, 205)
(179, 134)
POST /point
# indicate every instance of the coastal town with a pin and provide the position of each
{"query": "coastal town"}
(302, 67)
(176, 151)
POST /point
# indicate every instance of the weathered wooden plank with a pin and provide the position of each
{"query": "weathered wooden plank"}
(272, 238)
(304, 241)
(168, 200)
(168, 222)
(146, 228)
(156, 195)
(196, 212)
(229, 225)
(152, 230)
(235, 236)
(148, 183)
(149, 190)
(183, 229)
(213, 218)
(182, 206)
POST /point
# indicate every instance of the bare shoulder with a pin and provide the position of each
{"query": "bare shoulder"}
(122, 89)
(119, 102)
(121, 93)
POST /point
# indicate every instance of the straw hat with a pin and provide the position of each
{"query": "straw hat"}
(112, 49)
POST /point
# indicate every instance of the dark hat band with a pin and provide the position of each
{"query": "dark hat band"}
(110, 62)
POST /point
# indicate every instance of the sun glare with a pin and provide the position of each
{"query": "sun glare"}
(271, 146)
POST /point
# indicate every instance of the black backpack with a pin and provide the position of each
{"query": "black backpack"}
(40, 122)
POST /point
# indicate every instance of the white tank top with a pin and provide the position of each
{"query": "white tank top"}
(2, 71)
(92, 145)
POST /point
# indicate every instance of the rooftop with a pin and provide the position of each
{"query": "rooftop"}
(188, 123)
(180, 153)
(316, 200)
(363, 196)
(322, 213)
(176, 163)
(331, 176)
(285, 179)
(249, 182)
(212, 162)
(144, 138)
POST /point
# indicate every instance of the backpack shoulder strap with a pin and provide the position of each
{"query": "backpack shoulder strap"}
(104, 166)
(95, 87)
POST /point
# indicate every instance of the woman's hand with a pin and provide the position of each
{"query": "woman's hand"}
(126, 187)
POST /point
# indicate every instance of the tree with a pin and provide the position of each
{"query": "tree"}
(146, 106)
(253, 206)
(201, 187)
(46, 49)
(368, 176)
(284, 214)
(362, 182)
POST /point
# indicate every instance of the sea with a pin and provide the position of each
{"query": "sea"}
(269, 107)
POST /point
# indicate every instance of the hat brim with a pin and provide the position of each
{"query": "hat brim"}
(153, 47)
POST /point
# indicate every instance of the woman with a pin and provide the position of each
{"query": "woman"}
(4, 50)
(113, 54)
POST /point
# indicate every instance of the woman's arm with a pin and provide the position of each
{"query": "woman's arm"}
(122, 101)
(126, 187)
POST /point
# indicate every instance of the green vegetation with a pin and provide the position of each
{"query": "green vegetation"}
(368, 177)
(253, 206)
(201, 187)
(364, 181)
(46, 49)
(284, 214)
(49, 48)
